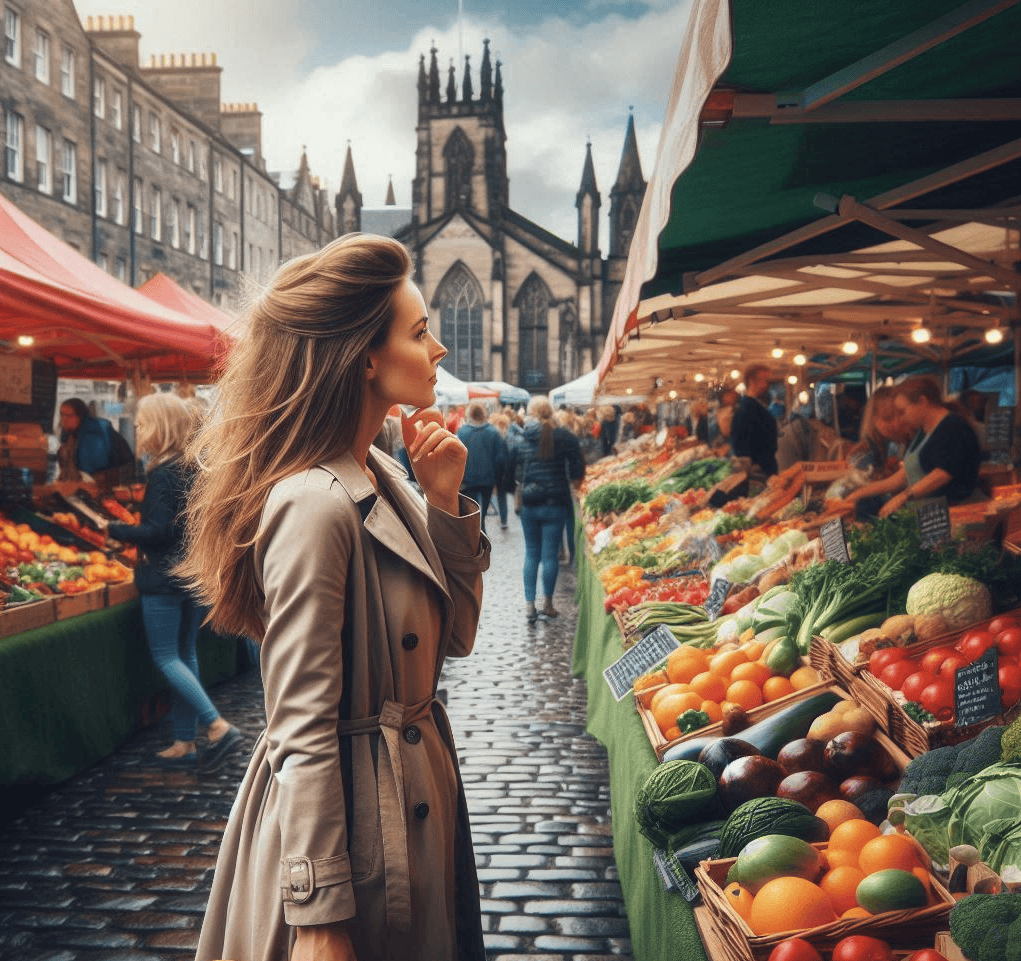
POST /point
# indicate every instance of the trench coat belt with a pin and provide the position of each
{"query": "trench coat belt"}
(390, 722)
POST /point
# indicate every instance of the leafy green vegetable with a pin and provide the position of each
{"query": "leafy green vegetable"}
(692, 720)
(614, 498)
(674, 794)
(918, 713)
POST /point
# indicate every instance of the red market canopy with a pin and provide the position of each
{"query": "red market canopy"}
(166, 291)
(86, 322)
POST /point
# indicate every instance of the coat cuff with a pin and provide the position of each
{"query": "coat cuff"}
(316, 891)
(459, 539)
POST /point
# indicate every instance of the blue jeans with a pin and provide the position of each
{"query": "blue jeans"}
(543, 528)
(482, 496)
(172, 624)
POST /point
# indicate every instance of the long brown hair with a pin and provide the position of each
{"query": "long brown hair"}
(869, 437)
(290, 398)
(165, 425)
(541, 408)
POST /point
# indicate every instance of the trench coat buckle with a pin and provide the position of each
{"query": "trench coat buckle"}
(301, 879)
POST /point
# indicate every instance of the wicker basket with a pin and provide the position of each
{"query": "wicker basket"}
(826, 658)
(728, 936)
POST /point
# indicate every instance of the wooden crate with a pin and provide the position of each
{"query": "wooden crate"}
(661, 745)
(27, 616)
(120, 593)
(72, 605)
(728, 936)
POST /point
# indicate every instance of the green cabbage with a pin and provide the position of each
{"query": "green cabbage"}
(675, 794)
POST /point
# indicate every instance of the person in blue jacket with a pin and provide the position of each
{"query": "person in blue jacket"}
(89, 445)
(171, 615)
(487, 457)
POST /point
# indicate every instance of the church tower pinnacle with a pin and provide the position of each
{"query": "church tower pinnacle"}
(349, 199)
(626, 194)
(588, 203)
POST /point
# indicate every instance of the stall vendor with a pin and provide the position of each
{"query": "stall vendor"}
(89, 445)
(941, 460)
(753, 432)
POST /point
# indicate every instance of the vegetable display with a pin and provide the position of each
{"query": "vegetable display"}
(987, 927)
(672, 796)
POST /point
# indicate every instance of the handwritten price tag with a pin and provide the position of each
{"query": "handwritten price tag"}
(977, 690)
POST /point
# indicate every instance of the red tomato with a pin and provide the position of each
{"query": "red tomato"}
(931, 660)
(950, 665)
(938, 699)
(895, 674)
(975, 643)
(926, 954)
(1009, 696)
(1008, 641)
(1002, 623)
(1010, 677)
(860, 947)
(794, 949)
(916, 683)
(885, 656)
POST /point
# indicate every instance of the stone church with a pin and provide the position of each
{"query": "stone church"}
(511, 301)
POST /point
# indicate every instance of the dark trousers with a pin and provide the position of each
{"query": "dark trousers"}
(482, 496)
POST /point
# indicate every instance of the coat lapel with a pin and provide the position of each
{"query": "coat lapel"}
(415, 546)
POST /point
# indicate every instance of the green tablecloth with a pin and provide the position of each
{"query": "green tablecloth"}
(662, 925)
(72, 692)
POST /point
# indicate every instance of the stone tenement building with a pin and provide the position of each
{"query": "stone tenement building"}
(142, 168)
(513, 302)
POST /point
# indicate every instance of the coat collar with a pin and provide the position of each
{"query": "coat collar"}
(414, 545)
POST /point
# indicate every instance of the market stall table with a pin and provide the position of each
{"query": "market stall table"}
(662, 924)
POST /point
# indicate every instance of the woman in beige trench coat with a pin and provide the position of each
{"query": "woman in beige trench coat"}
(349, 838)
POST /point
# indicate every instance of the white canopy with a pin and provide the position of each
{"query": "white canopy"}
(580, 392)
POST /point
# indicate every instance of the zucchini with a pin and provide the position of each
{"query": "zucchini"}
(845, 630)
(771, 733)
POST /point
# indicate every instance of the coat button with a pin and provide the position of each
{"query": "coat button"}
(422, 810)
(409, 642)
(412, 735)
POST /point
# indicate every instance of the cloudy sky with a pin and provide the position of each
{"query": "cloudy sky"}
(328, 72)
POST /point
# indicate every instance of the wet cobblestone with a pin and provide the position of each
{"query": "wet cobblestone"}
(115, 865)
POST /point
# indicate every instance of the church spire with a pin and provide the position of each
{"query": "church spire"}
(588, 203)
(466, 87)
(498, 91)
(423, 81)
(391, 200)
(451, 83)
(486, 74)
(588, 176)
(434, 78)
(629, 175)
(348, 201)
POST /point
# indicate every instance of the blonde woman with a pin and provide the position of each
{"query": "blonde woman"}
(349, 838)
(164, 424)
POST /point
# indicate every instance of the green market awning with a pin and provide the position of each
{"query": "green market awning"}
(901, 119)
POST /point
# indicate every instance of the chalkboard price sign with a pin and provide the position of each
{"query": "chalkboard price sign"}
(717, 595)
(674, 877)
(834, 541)
(638, 658)
(977, 690)
(933, 522)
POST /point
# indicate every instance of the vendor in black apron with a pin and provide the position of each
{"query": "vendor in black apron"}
(941, 461)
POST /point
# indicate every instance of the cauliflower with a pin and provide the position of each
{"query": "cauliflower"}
(960, 601)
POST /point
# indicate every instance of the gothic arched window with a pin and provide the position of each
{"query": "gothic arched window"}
(458, 158)
(459, 298)
(533, 304)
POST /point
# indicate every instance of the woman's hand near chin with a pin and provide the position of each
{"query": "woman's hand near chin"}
(437, 457)
(323, 942)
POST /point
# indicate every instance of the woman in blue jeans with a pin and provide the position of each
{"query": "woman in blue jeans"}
(164, 424)
(546, 463)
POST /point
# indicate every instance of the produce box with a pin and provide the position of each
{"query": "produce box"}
(120, 593)
(914, 737)
(661, 745)
(827, 659)
(27, 616)
(24, 445)
(71, 605)
(727, 935)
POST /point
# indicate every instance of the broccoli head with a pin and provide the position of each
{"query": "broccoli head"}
(692, 720)
(987, 927)
(1011, 743)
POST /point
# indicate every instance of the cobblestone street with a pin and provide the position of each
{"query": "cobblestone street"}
(115, 865)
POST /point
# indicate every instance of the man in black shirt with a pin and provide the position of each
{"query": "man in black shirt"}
(754, 433)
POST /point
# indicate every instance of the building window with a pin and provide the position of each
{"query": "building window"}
(69, 171)
(533, 323)
(155, 213)
(116, 109)
(100, 188)
(136, 123)
(460, 300)
(14, 126)
(233, 185)
(191, 156)
(175, 146)
(103, 262)
(43, 162)
(174, 215)
(218, 244)
(218, 174)
(12, 31)
(121, 270)
(154, 133)
(118, 199)
(137, 208)
(189, 230)
(201, 238)
(67, 72)
(99, 97)
(459, 159)
(232, 254)
(42, 56)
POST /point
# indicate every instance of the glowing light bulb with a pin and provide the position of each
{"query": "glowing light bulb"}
(673, 395)
(800, 360)
(792, 379)
(993, 336)
(629, 391)
(921, 335)
(735, 374)
(777, 353)
(803, 397)
(850, 348)
(27, 340)
(699, 378)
